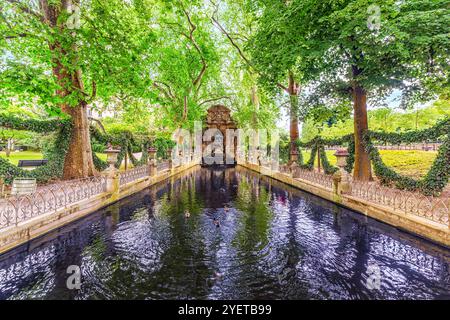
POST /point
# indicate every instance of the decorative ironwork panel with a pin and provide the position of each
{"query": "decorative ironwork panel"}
(319, 178)
(133, 175)
(404, 202)
(162, 166)
(48, 199)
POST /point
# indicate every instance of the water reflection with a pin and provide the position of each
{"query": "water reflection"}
(226, 233)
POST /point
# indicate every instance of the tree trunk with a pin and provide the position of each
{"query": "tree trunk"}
(293, 123)
(293, 117)
(78, 162)
(362, 169)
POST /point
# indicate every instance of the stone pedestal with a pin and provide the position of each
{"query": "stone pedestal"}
(112, 182)
(341, 179)
(170, 160)
(112, 174)
(294, 169)
(293, 156)
(152, 167)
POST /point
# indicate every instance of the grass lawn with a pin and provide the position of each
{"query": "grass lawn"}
(24, 155)
(102, 156)
(414, 163)
(408, 162)
(34, 155)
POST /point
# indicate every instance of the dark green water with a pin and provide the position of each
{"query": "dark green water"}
(246, 237)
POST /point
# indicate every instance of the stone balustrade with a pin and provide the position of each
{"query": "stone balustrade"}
(423, 215)
(26, 217)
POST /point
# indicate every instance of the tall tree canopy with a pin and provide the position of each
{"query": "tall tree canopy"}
(67, 53)
(171, 60)
(354, 50)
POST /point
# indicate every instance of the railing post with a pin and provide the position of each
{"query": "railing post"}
(341, 179)
(152, 163)
(337, 187)
(112, 174)
(294, 170)
(169, 155)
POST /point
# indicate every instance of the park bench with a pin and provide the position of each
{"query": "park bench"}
(21, 186)
(32, 163)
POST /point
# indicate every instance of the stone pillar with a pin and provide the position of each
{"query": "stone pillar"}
(112, 174)
(341, 179)
(293, 156)
(187, 157)
(152, 167)
(294, 169)
(152, 162)
(169, 155)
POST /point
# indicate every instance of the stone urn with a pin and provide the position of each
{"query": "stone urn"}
(341, 156)
(152, 153)
(111, 157)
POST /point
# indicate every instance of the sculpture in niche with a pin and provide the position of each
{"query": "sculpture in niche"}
(219, 117)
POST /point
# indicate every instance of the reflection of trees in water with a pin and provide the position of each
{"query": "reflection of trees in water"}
(271, 246)
(255, 218)
(183, 264)
(34, 276)
(182, 267)
(289, 255)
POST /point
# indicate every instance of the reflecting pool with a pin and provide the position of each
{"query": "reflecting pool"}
(226, 234)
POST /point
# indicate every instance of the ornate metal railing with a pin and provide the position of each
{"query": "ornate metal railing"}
(404, 202)
(284, 168)
(133, 175)
(162, 166)
(319, 178)
(48, 199)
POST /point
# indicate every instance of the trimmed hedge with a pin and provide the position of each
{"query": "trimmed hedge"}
(437, 177)
(128, 143)
(432, 184)
(56, 155)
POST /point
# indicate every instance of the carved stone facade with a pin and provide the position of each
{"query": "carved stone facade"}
(219, 117)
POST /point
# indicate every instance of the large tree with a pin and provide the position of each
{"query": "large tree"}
(185, 64)
(275, 56)
(238, 22)
(52, 49)
(355, 50)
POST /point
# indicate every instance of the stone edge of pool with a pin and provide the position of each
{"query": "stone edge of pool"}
(15, 236)
(414, 224)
